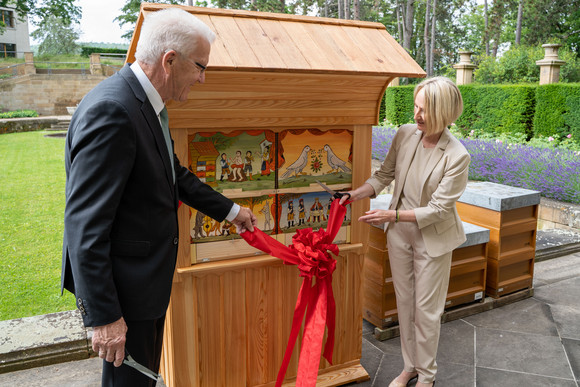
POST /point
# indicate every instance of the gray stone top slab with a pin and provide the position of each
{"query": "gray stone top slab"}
(475, 234)
(498, 197)
(40, 331)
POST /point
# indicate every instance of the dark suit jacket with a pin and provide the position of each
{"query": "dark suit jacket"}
(121, 232)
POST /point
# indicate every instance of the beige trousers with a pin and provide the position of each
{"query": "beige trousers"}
(421, 284)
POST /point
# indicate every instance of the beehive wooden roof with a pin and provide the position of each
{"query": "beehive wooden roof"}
(260, 41)
(271, 70)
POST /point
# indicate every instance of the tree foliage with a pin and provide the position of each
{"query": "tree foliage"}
(433, 31)
(55, 21)
(518, 65)
(56, 37)
(39, 11)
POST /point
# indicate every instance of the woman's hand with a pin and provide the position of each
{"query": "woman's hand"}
(364, 191)
(376, 217)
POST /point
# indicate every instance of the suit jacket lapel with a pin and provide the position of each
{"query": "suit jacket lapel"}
(152, 120)
(435, 156)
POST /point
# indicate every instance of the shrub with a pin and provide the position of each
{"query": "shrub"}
(19, 114)
(86, 51)
(557, 110)
(518, 65)
(399, 104)
(497, 109)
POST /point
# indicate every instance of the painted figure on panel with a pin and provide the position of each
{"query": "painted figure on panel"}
(267, 217)
(196, 231)
(265, 167)
(248, 165)
(237, 166)
(298, 165)
(301, 212)
(334, 161)
(225, 166)
(290, 214)
(316, 211)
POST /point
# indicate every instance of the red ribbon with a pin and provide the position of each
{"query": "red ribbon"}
(310, 252)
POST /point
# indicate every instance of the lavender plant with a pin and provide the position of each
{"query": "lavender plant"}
(554, 171)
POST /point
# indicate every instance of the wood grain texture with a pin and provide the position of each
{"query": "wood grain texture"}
(249, 40)
(511, 248)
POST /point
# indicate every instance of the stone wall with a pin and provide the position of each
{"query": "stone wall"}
(559, 215)
(16, 125)
(47, 94)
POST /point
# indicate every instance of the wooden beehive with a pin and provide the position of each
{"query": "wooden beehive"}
(466, 279)
(511, 214)
(273, 76)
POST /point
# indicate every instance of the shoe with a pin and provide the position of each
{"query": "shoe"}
(394, 383)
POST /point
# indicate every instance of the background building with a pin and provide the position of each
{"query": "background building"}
(15, 39)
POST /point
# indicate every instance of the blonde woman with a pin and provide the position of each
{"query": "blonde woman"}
(430, 167)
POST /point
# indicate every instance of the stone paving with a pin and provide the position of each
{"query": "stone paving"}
(533, 342)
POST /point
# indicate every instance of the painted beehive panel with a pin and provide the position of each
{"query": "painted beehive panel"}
(308, 155)
(205, 229)
(225, 241)
(310, 209)
(237, 161)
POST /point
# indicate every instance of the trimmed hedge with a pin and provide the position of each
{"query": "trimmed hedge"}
(399, 104)
(497, 109)
(557, 110)
(530, 110)
(87, 50)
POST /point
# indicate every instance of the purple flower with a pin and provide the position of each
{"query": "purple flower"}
(555, 172)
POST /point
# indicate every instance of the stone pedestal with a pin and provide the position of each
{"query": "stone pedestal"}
(96, 67)
(550, 65)
(464, 68)
(29, 67)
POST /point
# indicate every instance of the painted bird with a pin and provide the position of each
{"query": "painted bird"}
(334, 161)
(297, 166)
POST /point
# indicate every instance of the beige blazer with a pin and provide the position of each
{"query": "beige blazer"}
(443, 181)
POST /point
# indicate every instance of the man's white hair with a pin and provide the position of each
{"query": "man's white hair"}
(170, 29)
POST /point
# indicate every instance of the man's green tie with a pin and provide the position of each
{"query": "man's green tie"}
(165, 126)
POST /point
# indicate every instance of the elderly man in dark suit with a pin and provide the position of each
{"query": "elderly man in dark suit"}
(123, 186)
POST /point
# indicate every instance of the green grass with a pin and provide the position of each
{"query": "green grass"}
(32, 180)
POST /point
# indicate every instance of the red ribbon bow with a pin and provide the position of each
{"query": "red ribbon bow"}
(309, 251)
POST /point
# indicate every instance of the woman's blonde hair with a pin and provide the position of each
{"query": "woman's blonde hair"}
(443, 103)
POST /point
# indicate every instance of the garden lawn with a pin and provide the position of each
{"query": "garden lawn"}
(32, 180)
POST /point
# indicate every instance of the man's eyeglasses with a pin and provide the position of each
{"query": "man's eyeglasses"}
(200, 67)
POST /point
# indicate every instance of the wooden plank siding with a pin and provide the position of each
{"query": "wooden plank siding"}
(232, 100)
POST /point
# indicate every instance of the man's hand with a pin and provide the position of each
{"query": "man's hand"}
(109, 341)
(245, 220)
